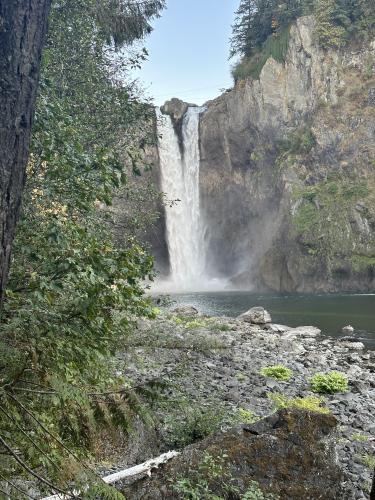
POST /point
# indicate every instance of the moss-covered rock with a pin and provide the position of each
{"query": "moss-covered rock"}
(289, 454)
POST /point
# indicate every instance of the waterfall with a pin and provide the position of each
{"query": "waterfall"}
(180, 183)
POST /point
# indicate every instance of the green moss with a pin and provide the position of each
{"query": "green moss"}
(278, 372)
(321, 221)
(329, 383)
(309, 403)
(363, 262)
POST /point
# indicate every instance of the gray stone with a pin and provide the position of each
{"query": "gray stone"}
(256, 316)
(277, 328)
(353, 345)
(304, 332)
(348, 329)
(185, 311)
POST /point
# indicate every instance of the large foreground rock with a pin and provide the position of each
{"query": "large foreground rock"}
(290, 454)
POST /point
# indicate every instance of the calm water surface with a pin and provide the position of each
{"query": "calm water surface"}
(328, 312)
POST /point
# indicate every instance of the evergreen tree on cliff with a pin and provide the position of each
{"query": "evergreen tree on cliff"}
(241, 39)
(22, 30)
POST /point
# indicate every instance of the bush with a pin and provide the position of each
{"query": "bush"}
(213, 480)
(368, 461)
(329, 383)
(310, 403)
(197, 424)
(300, 141)
(278, 372)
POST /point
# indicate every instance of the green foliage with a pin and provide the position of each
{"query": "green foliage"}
(261, 26)
(246, 416)
(213, 480)
(278, 372)
(276, 46)
(363, 262)
(123, 21)
(256, 21)
(360, 438)
(299, 142)
(197, 423)
(321, 212)
(198, 323)
(309, 403)
(73, 295)
(329, 383)
(338, 20)
(368, 461)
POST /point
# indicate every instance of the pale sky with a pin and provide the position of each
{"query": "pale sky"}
(188, 51)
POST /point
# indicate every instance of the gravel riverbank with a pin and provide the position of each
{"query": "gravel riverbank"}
(211, 366)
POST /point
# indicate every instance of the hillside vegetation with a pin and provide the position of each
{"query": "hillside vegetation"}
(261, 28)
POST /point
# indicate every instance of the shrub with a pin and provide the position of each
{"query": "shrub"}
(302, 140)
(278, 372)
(368, 461)
(213, 480)
(361, 438)
(247, 416)
(329, 383)
(197, 424)
(309, 403)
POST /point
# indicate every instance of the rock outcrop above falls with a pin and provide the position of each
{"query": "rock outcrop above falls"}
(287, 177)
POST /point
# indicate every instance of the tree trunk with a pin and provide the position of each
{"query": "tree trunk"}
(22, 29)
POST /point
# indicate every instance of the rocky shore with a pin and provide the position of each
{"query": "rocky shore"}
(208, 374)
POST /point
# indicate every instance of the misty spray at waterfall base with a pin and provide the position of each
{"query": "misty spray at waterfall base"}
(179, 172)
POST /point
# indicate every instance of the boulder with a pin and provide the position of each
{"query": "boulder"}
(348, 329)
(257, 316)
(356, 346)
(304, 332)
(290, 454)
(187, 311)
(274, 328)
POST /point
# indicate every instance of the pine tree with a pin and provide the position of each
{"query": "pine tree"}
(241, 41)
(331, 23)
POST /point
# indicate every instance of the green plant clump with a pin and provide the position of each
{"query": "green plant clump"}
(329, 383)
(360, 438)
(278, 372)
(213, 480)
(368, 461)
(309, 403)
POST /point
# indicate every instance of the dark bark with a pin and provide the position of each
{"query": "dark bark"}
(22, 30)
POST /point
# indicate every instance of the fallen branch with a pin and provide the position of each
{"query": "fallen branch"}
(146, 467)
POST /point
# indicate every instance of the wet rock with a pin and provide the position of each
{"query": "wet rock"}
(256, 316)
(304, 332)
(277, 328)
(348, 329)
(290, 454)
(353, 345)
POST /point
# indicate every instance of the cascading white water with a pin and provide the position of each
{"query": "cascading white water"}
(180, 183)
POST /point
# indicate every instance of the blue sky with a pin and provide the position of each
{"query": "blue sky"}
(188, 51)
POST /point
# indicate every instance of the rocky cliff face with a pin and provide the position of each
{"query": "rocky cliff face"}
(288, 171)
